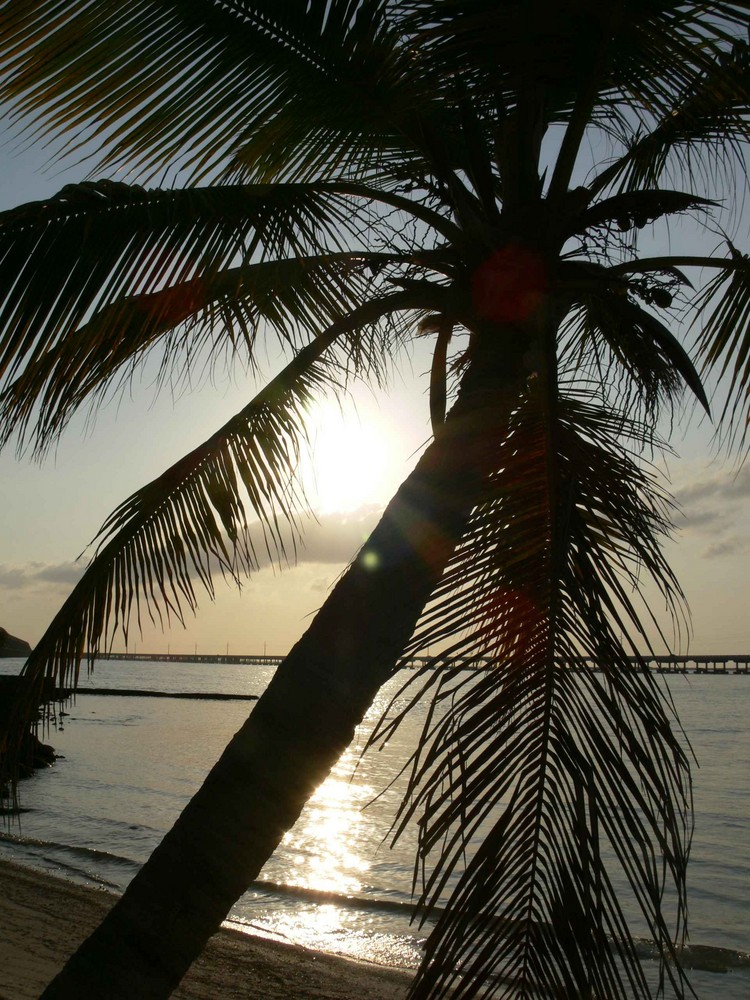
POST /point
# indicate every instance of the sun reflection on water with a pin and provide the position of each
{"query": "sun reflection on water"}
(330, 850)
(327, 842)
(334, 884)
(337, 931)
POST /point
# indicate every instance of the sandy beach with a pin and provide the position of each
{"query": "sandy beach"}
(43, 919)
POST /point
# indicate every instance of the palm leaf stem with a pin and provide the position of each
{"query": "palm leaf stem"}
(585, 103)
(643, 265)
(435, 220)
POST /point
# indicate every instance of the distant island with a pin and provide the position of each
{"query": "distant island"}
(10, 645)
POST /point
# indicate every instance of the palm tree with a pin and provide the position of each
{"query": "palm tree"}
(351, 172)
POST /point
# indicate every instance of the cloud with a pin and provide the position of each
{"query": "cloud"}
(724, 486)
(726, 547)
(68, 573)
(705, 519)
(715, 506)
(327, 538)
(33, 575)
(331, 539)
(336, 538)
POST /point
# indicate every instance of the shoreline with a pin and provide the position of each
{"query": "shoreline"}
(45, 918)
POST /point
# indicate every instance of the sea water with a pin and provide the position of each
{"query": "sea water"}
(131, 763)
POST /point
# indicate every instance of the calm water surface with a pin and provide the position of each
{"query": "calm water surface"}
(335, 884)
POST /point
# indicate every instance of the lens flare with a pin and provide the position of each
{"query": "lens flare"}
(510, 286)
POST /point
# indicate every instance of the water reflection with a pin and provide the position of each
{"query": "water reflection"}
(337, 931)
(331, 848)
(327, 845)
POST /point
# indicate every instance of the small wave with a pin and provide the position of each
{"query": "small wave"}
(309, 895)
(77, 874)
(89, 853)
(710, 958)
(706, 958)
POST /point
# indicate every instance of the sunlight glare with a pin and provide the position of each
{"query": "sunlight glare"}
(327, 838)
(349, 461)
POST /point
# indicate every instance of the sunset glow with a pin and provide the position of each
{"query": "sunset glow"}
(349, 461)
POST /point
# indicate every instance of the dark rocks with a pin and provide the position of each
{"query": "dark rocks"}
(33, 754)
(12, 646)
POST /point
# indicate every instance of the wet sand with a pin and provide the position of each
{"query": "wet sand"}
(44, 919)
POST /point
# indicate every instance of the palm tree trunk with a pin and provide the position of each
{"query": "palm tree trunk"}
(303, 721)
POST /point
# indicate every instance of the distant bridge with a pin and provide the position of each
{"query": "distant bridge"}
(735, 663)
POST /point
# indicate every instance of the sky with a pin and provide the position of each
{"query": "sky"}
(50, 513)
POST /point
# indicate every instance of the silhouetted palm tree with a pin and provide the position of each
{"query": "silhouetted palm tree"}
(352, 172)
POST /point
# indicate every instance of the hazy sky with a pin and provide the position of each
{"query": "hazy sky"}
(50, 513)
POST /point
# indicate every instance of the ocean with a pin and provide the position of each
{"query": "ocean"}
(335, 884)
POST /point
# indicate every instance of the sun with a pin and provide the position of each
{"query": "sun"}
(349, 460)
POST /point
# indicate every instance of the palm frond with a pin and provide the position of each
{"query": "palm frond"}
(633, 353)
(204, 318)
(192, 521)
(656, 51)
(722, 311)
(636, 209)
(213, 78)
(93, 279)
(92, 244)
(537, 786)
(351, 110)
(702, 134)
